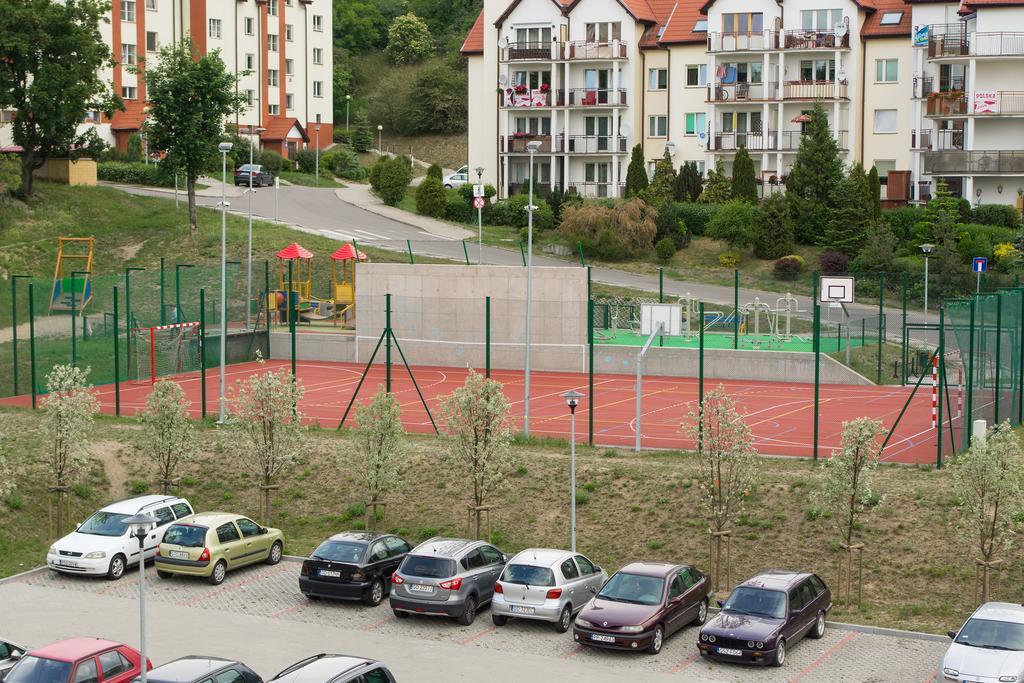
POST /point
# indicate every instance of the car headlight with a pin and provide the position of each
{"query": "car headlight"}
(631, 629)
(52, 550)
(950, 672)
(580, 621)
(704, 637)
(96, 555)
(760, 645)
(1007, 679)
(711, 639)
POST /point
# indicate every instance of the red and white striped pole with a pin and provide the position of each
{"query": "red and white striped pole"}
(935, 391)
(960, 391)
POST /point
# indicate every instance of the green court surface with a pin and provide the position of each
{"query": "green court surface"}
(720, 340)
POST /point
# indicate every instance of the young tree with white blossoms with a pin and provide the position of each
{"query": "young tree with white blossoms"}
(475, 417)
(726, 467)
(7, 482)
(263, 413)
(379, 442)
(70, 407)
(168, 436)
(989, 481)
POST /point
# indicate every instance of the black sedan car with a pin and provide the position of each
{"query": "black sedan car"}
(764, 616)
(324, 668)
(260, 175)
(354, 565)
(193, 669)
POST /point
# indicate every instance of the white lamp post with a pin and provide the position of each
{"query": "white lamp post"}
(317, 143)
(248, 274)
(141, 524)
(224, 148)
(480, 218)
(380, 139)
(572, 399)
(348, 98)
(532, 148)
(927, 249)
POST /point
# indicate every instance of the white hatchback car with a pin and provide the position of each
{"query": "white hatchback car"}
(988, 647)
(103, 545)
(458, 179)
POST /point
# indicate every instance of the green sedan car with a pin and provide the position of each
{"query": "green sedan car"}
(212, 543)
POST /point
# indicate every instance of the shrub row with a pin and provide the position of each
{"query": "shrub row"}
(134, 173)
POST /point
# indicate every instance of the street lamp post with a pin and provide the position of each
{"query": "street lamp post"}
(480, 217)
(348, 98)
(224, 148)
(532, 148)
(248, 273)
(141, 524)
(317, 143)
(380, 139)
(927, 249)
(572, 399)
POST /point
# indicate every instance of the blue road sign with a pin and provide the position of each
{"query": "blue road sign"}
(980, 264)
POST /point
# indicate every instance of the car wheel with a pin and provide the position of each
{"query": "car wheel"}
(819, 626)
(657, 640)
(220, 570)
(375, 594)
(564, 620)
(116, 569)
(780, 654)
(499, 619)
(702, 613)
(448, 187)
(274, 556)
(400, 614)
(467, 617)
(164, 575)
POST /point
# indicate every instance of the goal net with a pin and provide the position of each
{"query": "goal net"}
(164, 350)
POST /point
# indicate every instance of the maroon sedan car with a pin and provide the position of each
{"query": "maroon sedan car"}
(642, 604)
(765, 615)
(80, 660)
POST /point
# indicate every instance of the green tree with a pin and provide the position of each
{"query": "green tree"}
(949, 275)
(51, 57)
(875, 188)
(380, 444)
(671, 225)
(390, 178)
(133, 148)
(663, 185)
(636, 173)
(816, 172)
(850, 213)
(717, 190)
(409, 40)
(688, 182)
(359, 25)
(878, 251)
(774, 227)
(435, 171)
(436, 102)
(735, 223)
(846, 476)
(168, 436)
(430, 198)
(744, 180)
(190, 96)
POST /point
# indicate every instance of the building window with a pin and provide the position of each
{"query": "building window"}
(215, 28)
(534, 36)
(127, 10)
(604, 32)
(250, 97)
(152, 44)
(886, 120)
(274, 109)
(151, 5)
(318, 88)
(7, 116)
(318, 55)
(128, 56)
(891, 19)
(250, 61)
(289, 67)
(651, 166)
(289, 101)
(128, 92)
(273, 77)
(696, 75)
(818, 70)
(288, 33)
(883, 166)
(887, 70)
(657, 79)
(272, 42)
(318, 22)
(93, 116)
(657, 126)
(701, 26)
(743, 23)
(250, 26)
(272, 8)
(696, 122)
(820, 19)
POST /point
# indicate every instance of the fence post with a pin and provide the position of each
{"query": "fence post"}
(522, 252)
(881, 324)
(387, 342)
(816, 345)
(14, 324)
(970, 381)
(906, 279)
(1020, 365)
(661, 285)
(74, 333)
(465, 251)
(700, 379)
(408, 244)
(999, 335)
(942, 379)
(579, 246)
(266, 300)
(202, 349)
(590, 368)
(117, 362)
(163, 318)
(487, 337)
(32, 340)
(292, 312)
(735, 309)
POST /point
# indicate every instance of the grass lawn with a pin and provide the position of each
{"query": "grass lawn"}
(918, 568)
(309, 179)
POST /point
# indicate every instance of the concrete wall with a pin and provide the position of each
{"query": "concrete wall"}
(312, 346)
(240, 346)
(68, 171)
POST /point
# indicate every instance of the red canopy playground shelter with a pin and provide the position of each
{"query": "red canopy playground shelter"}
(343, 282)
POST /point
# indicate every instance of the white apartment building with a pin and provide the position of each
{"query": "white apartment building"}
(587, 80)
(281, 49)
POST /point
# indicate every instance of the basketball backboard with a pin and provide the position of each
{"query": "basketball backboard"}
(837, 289)
(669, 315)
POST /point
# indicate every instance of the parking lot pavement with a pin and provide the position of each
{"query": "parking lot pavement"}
(257, 615)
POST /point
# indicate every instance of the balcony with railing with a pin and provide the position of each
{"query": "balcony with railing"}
(953, 40)
(541, 189)
(520, 97)
(742, 92)
(813, 90)
(597, 97)
(743, 42)
(799, 39)
(772, 140)
(596, 189)
(949, 103)
(531, 52)
(1005, 102)
(592, 144)
(926, 85)
(596, 50)
(789, 140)
(937, 139)
(975, 162)
(516, 143)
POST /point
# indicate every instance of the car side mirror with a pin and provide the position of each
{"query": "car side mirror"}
(504, 558)
(951, 634)
(78, 525)
(16, 655)
(597, 569)
(263, 530)
(593, 591)
(720, 603)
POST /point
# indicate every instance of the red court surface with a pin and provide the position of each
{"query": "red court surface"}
(781, 415)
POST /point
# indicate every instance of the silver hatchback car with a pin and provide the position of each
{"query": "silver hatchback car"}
(546, 585)
(449, 577)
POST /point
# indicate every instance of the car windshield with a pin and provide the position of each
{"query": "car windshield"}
(528, 576)
(31, 669)
(634, 588)
(758, 602)
(248, 167)
(339, 551)
(991, 634)
(186, 535)
(105, 523)
(428, 567)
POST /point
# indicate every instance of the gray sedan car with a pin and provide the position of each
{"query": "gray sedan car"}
(546, 585)
(449, 577)
(10, 653)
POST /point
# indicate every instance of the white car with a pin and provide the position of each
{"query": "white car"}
(458, 179)
(988, 647)
(103, 545)
(10, 653)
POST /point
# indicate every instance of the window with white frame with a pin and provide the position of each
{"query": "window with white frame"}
(272, 8)
(288, 33)
(891, 19)
(128, 55)
(274, 109)
(884, 166)
(696, 122)
(250, 61)
(696, 75)
(651, 165)
(318, 55)
(318, 88)
(152, 41)
(657, 79)
(533, 125)
(151, 5)
(820, 19)
(214, 28)
(273, 77)
(129, 92)
(7, 116)
(603, 32)
(887, 70)
(127, 10)
(250, 26)
(272, 42)
(318, 22)
(886, 120)
(657, 126)
(534, 35)
(817, 70)
(289, 67)
(250, 97)
(289, 101)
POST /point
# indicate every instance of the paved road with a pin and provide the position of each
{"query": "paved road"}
(258, 616)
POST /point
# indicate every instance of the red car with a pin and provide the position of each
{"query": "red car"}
(78, 660)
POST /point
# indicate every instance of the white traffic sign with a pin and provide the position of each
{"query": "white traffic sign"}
(478, 190)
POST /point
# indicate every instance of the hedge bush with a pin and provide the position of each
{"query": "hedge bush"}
(903, 220)
(670, 225)
(996, 214)
(270, 159)
(665, 249)
(305, 160)
(833, 263)
(343, 162)
(729, 259)
(456, 207)
(430, 198)
(611, 232)
(512, 211)
(789, 267)
(696, 216)
(134, 173)
(390, 178)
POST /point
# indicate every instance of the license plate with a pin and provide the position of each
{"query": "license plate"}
(516, 609)
(67, 563)
(421, 588)
(331, 573)
(602, 639)
(178, 554)
(730, 651)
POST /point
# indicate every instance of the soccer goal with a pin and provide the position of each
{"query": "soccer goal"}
(164, 350)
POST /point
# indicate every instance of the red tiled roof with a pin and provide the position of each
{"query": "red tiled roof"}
(992, 3)
(873, 27)
(640, 10)
(679, 26)
(662, 10)
(278, 128)
(474, 43)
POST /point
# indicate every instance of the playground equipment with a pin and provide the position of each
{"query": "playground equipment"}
(787, 306)
(297, 282)
(756, 308)
(343, 282)
(72, 283)
(163, 350)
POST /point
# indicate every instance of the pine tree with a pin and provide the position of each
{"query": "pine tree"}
(688, 182)
(875, 185)
(813, 179)
(774, 228)
(847, 219)
(744, 181)
(663, 185)
(636, 174)
(717, 190)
